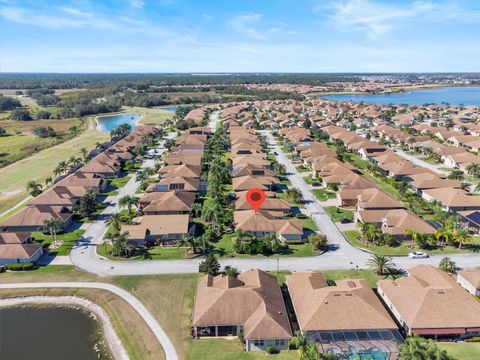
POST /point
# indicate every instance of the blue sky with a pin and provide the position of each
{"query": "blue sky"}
(239, 36)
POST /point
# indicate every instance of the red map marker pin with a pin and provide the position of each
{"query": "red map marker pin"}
(255, 198)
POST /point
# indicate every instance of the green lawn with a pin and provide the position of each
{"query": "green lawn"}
(462, 350)
(153, 253)
(68, 239)
(14, 177)
(390, 190)
(308, 224)
(302, 168)
(404, 248)
(359, 162)
(337, 214)
(221, 349)
(224, 247)
(151, 116)
(324, 195)
(368, 275)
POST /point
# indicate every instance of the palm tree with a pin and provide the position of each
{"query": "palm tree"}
(63, 166)
(412, 234)
(34, 188)
(279, 169)
(188, 242)
(456, 175)
(417, 347)
(52, 226)
(294, 195)
(299, 341)
(473, 169)
(48, 181)
(461, 236)
(84, 153)
(380, 263)
(114, 220)
(128, 202)
(121, 246)
(58, 170)
(197, 209)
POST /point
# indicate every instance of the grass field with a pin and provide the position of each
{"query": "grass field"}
(323, 195)
(151, 116)
(14, 177)
(68, 239)
(337, 214)
(21, 142)
(462, 351)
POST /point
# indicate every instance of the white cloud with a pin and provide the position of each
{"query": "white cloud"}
(375, 18)
(137, 3)
(244, 24)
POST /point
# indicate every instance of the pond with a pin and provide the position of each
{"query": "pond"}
(48, 333)
(451, 95)
(111, 122)
(172, 109)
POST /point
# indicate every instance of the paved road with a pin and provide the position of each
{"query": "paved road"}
(157, 330)
(341, 255)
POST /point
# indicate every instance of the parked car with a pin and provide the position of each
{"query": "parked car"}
(417, 255)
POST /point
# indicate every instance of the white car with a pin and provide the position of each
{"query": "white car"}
(417, 255)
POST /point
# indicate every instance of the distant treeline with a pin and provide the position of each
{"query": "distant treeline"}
(142, 81)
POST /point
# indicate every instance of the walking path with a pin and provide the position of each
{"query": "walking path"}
(157, 330)
(341, 255)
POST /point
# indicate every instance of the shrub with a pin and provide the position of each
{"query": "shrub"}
(270, 349)
(331, 282)
(14, 267)
(20, 114)
(301, 216)
(447, 265)
(319, 241)
(473, 339)
(28, 266)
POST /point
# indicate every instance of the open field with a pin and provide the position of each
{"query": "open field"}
(150, 116)
(461, 351)
(14, 177)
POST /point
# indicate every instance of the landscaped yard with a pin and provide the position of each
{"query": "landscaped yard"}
(37, 167)
(405, 248)
(302, 168)
(324, 195)
(308, 225)
(462, 350)
(153, 253)
(68, 239)
(338, 214)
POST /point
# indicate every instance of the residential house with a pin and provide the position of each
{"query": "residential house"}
(470, 281)
(250, 306)
(428, 302)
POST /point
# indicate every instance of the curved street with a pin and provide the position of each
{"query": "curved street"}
(170, 353)
(340, 256)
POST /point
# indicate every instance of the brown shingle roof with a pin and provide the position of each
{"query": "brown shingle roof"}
(253, 300)
(350, 305)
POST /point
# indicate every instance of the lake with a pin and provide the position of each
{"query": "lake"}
(451, 95)
(111, 122)
(48, 333)
(172, 109)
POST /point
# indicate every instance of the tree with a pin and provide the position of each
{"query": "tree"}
(197, 209)
(461, 236)
(380, 263)
(21, 115)
(84, 153)
(210, 265)
(121, 245)
(299, 341)
(88, 203)
(279, 169)
(231, 271)
(3, 132)
(418, 348)
(188, 242)
(114, 220)
(456, 175)
(52, 226)
(294, 195)
(129, 202)
(473, 169)
(447, 265)
(48, 181)
(319, 241)
(34, 188)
